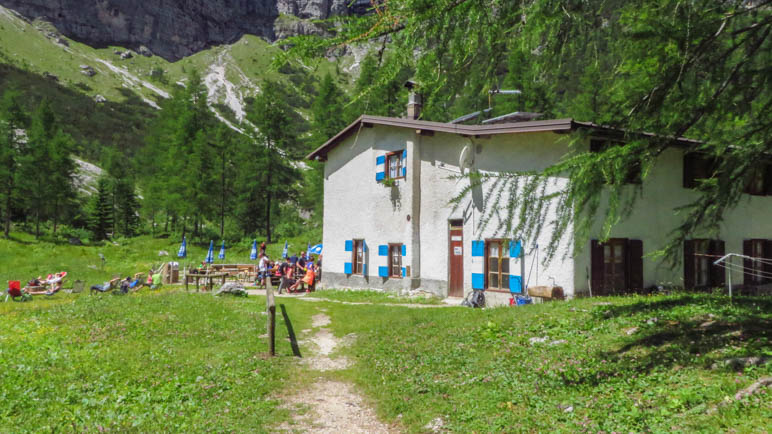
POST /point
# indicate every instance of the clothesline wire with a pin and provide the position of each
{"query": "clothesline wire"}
(747, 270)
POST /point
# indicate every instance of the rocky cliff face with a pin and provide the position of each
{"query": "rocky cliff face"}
(177, 28)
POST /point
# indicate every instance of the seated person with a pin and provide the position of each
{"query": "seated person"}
(56, 281)
(107, 286)
(308, 279)
(285, 271)
(137, 283)
(124, 286)
(157, 281)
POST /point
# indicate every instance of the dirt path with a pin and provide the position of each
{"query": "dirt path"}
(334, 406)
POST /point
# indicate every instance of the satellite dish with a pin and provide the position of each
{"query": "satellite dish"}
(466, 159)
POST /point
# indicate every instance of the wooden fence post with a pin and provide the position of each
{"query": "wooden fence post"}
(270, 309)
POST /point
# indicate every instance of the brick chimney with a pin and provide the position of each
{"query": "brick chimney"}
(414, 101)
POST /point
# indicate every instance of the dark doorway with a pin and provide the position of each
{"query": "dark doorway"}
(456, 258)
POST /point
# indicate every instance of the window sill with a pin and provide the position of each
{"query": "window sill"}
(498, 291)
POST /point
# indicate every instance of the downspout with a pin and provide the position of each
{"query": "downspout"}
(414, 180)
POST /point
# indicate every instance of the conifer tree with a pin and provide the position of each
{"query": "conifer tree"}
(12, 121)
(276, 133)
(101, 210)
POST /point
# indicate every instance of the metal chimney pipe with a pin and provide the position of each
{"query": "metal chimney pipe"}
(414, 101)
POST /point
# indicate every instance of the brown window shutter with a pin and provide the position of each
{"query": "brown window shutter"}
(747, 263)
(768, 180)
(717, 273)
(689, 160)
(596, 268)
(688, 264)
(635, 265)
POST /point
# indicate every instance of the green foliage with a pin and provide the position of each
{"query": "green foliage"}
(101, 221)
(166, 361)
(696, 69)
(631, 364)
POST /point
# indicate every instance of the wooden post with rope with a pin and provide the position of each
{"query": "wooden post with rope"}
(270, 310)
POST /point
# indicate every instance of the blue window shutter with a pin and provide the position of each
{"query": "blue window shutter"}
(404, 155)
(404, 171)
(404, 272)
(383, 271)
(404, 162)
(380, 168)
(364, 269)
(349, 245)
(515, 284)
(404, 250)
(383, 250)
(515, 248)
(364, 246)
(478, 281)
(347, 268)
(478, 248)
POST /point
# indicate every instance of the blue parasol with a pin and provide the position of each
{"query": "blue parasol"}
(222, 250)
(284, 253)
(253, 252)
(183, 252)
(315, 250)
(210, 255)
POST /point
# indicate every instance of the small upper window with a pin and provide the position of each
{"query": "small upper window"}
(633, 173)
(698, 167)
(760, 183)
(394, 165)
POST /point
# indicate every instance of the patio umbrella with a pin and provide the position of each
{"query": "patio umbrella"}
(284, 253)
(222, 250)
(315, 250)
(210, 255)
(183, 252)
(253, 252)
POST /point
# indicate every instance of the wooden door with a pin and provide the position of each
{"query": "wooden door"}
(456, 258)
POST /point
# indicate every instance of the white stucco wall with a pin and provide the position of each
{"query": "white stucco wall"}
(655, 216)
(356, 206)
(440, 159)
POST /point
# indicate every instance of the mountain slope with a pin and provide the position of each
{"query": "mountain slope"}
(90, 85)
(173, 29)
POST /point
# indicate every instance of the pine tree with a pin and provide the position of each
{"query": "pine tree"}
(12, 119)
(101, 210)
(276, 133)
(36, 164)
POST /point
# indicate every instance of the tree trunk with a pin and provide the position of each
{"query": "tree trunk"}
(268, 218)
(37, 223)
(56, 214)
(9, 191)
(222, 200)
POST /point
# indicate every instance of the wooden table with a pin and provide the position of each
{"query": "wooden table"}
(208, 279)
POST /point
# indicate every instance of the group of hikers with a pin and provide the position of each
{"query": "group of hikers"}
(295, 273)
(53, 283)
(130, 284)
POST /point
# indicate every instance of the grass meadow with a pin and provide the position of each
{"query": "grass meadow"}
(186, 362)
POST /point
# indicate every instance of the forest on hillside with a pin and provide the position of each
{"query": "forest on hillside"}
(698, 69)
(179, 171)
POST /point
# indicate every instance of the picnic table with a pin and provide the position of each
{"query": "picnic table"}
(208, 279)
